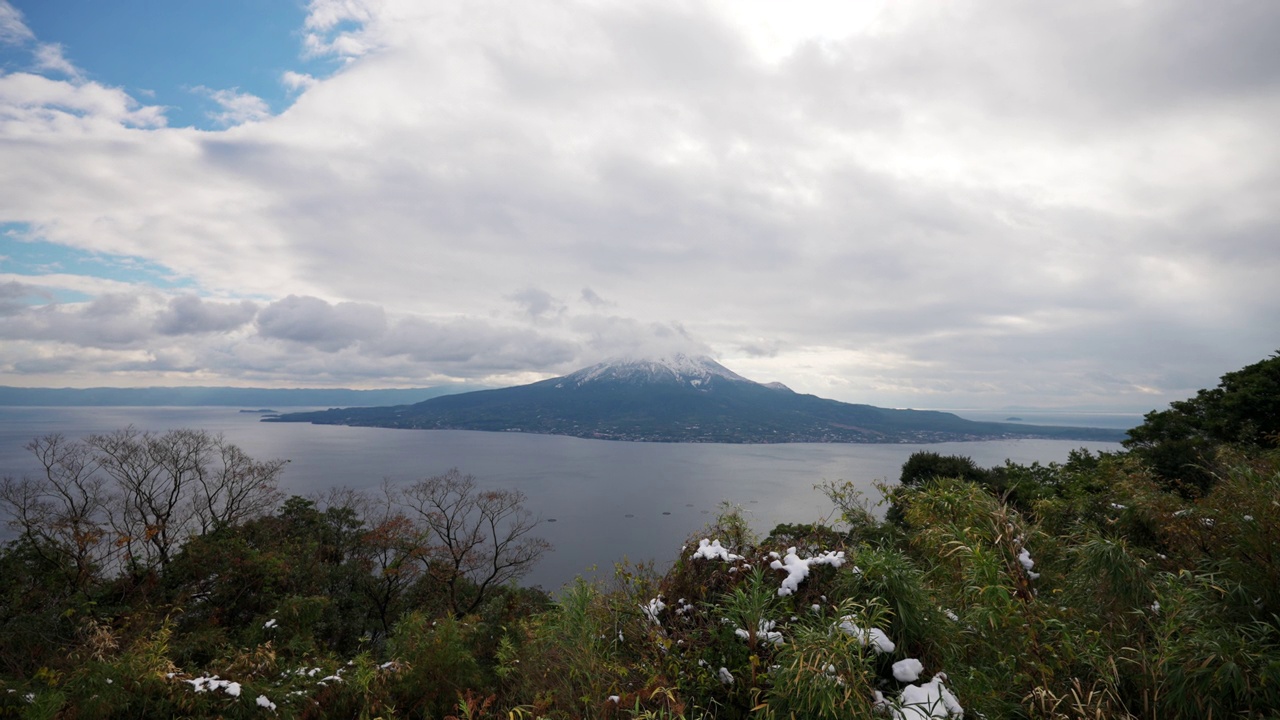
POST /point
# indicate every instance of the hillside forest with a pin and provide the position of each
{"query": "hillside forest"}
(163, 575)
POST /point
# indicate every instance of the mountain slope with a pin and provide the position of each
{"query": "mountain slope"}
(681, 399)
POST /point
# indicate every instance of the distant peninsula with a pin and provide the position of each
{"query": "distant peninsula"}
(682, 399)
(214, 396)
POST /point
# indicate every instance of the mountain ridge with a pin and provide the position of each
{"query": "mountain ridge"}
(682, 399)
(214, 396)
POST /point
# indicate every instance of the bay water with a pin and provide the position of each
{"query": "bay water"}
(600, 501)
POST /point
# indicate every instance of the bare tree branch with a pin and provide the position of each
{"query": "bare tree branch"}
(63, 514)
(475, 540)
(132, 494)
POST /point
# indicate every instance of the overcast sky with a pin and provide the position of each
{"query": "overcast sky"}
(912, 204)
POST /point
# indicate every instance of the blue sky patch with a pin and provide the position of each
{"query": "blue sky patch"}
(40, 257)
(174, 53)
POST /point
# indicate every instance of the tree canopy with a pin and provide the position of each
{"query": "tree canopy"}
(1243, 410)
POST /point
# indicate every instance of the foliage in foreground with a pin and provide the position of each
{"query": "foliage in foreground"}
(1103, 587)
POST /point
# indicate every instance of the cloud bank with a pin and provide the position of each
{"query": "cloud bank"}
(901, 203)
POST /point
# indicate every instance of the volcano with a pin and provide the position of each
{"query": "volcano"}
(682, 398)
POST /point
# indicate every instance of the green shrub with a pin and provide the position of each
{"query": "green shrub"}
(438, 665)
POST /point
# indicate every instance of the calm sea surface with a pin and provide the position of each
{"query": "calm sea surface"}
(608, 499)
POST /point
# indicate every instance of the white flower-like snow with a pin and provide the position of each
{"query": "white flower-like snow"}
(1024, 557)
(764, 632)
(206, 684)
(874, 637)
(930, 700)
(797, 569)
(652, 608)
(713, 550)
(907, 670)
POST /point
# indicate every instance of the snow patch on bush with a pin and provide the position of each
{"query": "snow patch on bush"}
(797, 569)
(713, 550)
(764, 632)
(874, 637)
(930, 700)
(907, 670)
(652, 608)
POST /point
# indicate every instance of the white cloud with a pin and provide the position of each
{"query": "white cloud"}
(297, 81)
(13, 31)
(189, 314)
(314, 322)
(904, 203)
(49, 56)
(111, 321)
(236, 107)
(328, 14)
(32, 104)
(345, 28)
(537, 303)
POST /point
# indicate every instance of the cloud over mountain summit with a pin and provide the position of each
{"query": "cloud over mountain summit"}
(899, 203)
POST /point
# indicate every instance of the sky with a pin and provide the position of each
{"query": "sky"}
(970, 204)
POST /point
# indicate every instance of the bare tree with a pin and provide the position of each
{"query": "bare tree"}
(64, 513)
(392, 551)
(475, 540)
(153, 475)
(133, 497)
(177, 484)
(234, 487)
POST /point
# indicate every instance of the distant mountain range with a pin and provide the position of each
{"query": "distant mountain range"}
(682, 399)
(215, 396)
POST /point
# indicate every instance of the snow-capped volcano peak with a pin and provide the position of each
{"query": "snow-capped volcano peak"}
(694, 370)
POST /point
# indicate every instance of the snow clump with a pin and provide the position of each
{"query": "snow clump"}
(874, 637)
(264, 701)
(652, 609)
(713, 550)
(764, 632)
(725, 676)
(907, 670)
(1024, 557)
(930, 700)
(207, 684)
(797, 569)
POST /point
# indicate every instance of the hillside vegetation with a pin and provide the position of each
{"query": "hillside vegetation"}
(160, 576)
